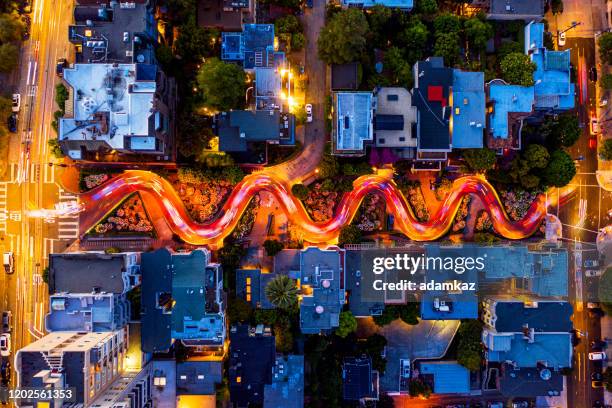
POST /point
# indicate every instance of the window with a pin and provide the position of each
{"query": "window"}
(381, 140)
(392, 97)
(402, 139)
(457, 110)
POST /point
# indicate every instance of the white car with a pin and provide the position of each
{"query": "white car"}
(591, 263)
(561, 39)
(597, 356)
(591, 273)
(5, 345)
(595, 127)
(308, 112)
(16, 102)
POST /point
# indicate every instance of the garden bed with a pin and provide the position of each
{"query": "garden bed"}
(245, 225)
(321, 202)
(460, 219)
(371, 215)
(517, 202)
(92, 178)
(129, 218)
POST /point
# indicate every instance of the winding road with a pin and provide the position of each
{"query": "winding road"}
(98, 202)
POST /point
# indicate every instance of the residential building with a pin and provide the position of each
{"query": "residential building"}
(252, 358)
(182, 299)
(132, 389)
(88, 363)
(87, 312)
(287, 388)
(509, 106)
(404, 5)
(114, 33)
(394, 120)
(445, 377)
(532, 341)
(253, 47)
(352, 122)
(226, 15)
(514, 9)
(359, 380)
(197, 378)
(468, 118)
(98, 272)
(116, 108)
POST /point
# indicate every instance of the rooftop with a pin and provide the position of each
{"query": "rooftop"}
(87, 312)
(448, 377)
(198, 377)
(287, 388)
(507, 99)
(554, 350)
(222, 14)
(401, 4)
(344, 77)
(530, 382)
(238, 128)
(352, 122)
(359, 380)
(395, 117)
(468, 119)
(254, 46)
(516, 9)
(542, 316)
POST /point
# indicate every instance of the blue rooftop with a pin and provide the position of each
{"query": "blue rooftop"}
(251, 285)
(508, 99)
(352, 125)
(87, 312)
(449, 377)
(287, 388)
(553, 349)
(468, 118)
(254, 47)
(401, 4)
(198, 377)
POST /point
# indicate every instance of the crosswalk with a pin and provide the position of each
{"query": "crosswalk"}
(3, 211)
(67, 225)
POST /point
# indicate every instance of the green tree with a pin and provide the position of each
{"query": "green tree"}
(478, 32)
(195, 42)
(288, 24)
(517, 68)
(607, 378)
(9, 57)
(329, 166)
(508, 47)
(56, 150)
(298, 41)
(61, 96)
(563, 132)
(349, 234)
(447, 46)
(469, 349)
(536, 156)
(348, 324)
(222, 85)
(606, 81)
(272, 246)
(164, 55)
(560, 170)
(399, 69)
(194, 134)
(343, 39)
(238, 310)
(408, 313)
(530, 181)
(11, 28)
(300, 191)
(379, 19)
(605, 47)
(427, 7)
(447, 23)
(45, 275)
(605, 151)
(605, 290)
(479, 160)
(413, 38)
(419, 388)
(282, 292)
(556, 6)
(230, 256)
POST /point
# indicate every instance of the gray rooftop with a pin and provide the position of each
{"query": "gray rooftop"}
(516, 9)
(237, 128)
(87, 312)
(198, 377)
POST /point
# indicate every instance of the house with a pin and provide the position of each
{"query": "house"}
(238, 130)
(133, 388)
(515, 9)
(532, 342)
(182, 299)
(87, 272)
(404, 5)
(225, 15)
(394, 121)
(287, 388)
(508, 105)
(252, 358)
(273, 87)
(123, 108)
(253, 47)
(198, 377)
(87, 312)
(344, 77)
(445, 377)
(359, 380)
(352, 122)
(468, 118)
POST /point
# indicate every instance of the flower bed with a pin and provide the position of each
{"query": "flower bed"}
(372, 213)
(414, 196)
(129, 218)
(245, 225)
(321, 203)
(203, 196)
(94, 180)
(483, 222)
(517, 202)
(464, 208)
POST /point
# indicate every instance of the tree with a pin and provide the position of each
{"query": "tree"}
(408, 313)
(238, 310)
(605, 47)
(272, 246)
(605, 290)
(222, 84)
(11, 28)
(9, 57)
(230, 256)
(329, 166)
(343, 39)
(508, 47)
(400, 70)
(45, 275)
(479, 160)
(560, 170)
(562, 132)
(556, 6)
(517, 68)
(447, 46)
(414, 40)
(195, 42)
(605, 151)
(349, 234)
(606, 81)
(56, 150)
(478, 32)
(348, 324)
(194, 134)
(427, 7)
(607, 378)
(447, 23)
(298, 41)
(61, 96)
(379, 20)
(469, 349)
(536, 156)
(288, 24)
(300, 191)
(419, 388)
(282, 292)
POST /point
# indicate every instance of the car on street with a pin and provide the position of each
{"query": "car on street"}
(5, 345)
(12, 123)
(598, 345)
(308, 112)
(597, 384)
(6, 322)
(593, 74)
(597, 356)
(9, 262)
(592, 143)
(562, 39)
(5, 371)
(591, 273)
(596, 376)
(16, 103)
(520, 404)
(59, 67)
(595, 127)
(591, 263)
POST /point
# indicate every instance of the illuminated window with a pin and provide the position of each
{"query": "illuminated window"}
(88, 33)
(457, 111)
(248, 281)
(238, 379)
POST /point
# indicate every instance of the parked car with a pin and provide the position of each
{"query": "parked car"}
(591, 273)
(597, 384)
(592, 143)
(520, 404)
(9, 262)
(593, 74)
(16, 103)
(59, 67)
(598, 344)
(5, 345)
(12, 123)
(7, 322)
(5, 371)
(591, 263)
(595, 127)
(597, 356)
(308, 112)
(596, 376)
(562, 39)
